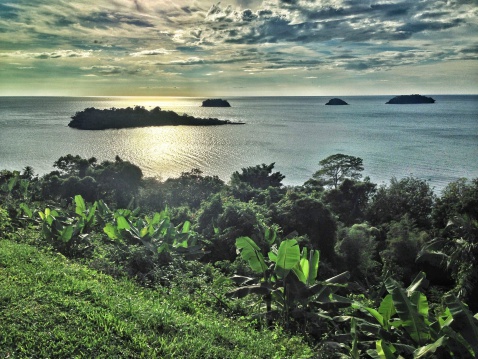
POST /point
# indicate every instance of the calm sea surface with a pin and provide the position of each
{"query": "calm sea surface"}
(437, 142)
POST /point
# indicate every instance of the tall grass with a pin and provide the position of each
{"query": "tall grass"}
(51, 307)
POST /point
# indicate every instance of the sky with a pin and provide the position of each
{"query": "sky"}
(238, 48)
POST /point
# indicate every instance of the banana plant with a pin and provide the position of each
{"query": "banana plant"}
(288, 281)
(403, 326)
(86, 214)
(157, 233)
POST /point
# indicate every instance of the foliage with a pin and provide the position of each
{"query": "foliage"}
(74, 165)
(409, 195)
(308, 216)
(336, 168)
(457, 250)
(357, 248)
(260, 177)
(191, 188)
(5, 222)
(287, 286)
(457, 199)
(156, 233)
(51, 307)
(403, 326)
(116, 182)
(404, 242)
(84, 210)
(350, 200)
(222, 220)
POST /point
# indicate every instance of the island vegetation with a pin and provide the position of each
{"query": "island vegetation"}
(217, 102)
(410, 99)
(97, 260)
(115, 118)
(336, 102)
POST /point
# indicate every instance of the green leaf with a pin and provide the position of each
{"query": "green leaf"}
(418, 283)
(387, 310)
(270, 235)
(421, 303)
(12, 182)
(26, 210)
(384, 350)
(413, 322)
(313, 266)
(354, 352)
(144, 231)
(298, 271)
(463, 321)
(80, 205)
(428, 349)
(288, 254)
(373, 312)
(272, 256)
(66, 233)
(122, 223)
(250, 252)
(164, 247)
(91, 213)
(111, 231)
(186, 227)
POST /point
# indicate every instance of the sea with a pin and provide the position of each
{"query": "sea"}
(434, 142)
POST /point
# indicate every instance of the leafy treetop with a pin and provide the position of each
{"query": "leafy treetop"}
(338, 167)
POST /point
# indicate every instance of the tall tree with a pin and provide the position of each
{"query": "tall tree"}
(260, 176)
(336, 168)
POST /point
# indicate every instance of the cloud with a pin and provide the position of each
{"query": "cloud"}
(191, 38)
(152, 52)
(107, 19)
(104, 69)
(50, 55)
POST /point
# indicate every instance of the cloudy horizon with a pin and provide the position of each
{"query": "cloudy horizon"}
(241, 47)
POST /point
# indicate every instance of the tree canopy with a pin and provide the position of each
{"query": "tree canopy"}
(336, 168)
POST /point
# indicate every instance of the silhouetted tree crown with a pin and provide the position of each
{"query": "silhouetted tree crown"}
(336, 168)
(259, 176)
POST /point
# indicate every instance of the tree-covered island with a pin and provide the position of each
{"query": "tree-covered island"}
(115, 118)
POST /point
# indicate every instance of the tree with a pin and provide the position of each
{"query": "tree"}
(409, 195)
(350, 200)
(458, 198)
(336, 168)
(357, 248)
(74, 165)
(259, 176)
(308, 216)
(190, 189)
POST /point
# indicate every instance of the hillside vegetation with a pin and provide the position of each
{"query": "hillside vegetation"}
(98, 261)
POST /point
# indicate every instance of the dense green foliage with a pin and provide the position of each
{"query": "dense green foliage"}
(327, 261)
(52, 308)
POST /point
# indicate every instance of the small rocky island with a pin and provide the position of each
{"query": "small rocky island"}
(336, 101)
(410, 99)
(217, 102)
(115, 118)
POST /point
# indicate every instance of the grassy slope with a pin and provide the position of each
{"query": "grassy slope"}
(50, 307)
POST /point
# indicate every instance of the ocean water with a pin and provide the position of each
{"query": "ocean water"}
(436, 142)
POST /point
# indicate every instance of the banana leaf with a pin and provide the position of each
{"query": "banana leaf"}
(251, 253)
(410, 318)
(463, 321)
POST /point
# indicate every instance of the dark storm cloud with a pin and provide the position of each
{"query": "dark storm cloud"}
(353, 21)
(419, 26)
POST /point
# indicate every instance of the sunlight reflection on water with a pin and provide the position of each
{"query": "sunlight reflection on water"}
(437, 142)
